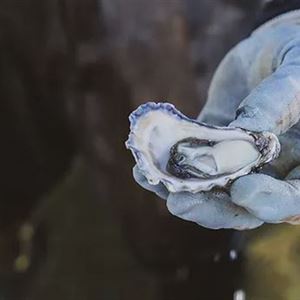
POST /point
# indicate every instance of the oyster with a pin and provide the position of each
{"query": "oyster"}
(186, 155)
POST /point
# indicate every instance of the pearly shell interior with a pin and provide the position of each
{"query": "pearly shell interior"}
(156, 128)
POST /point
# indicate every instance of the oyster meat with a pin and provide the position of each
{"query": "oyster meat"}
(186, 155)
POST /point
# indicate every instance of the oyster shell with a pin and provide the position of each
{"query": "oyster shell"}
(186, 155)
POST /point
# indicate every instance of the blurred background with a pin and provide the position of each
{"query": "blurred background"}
(73, 223)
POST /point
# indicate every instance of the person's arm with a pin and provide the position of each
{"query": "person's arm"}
(274, 8)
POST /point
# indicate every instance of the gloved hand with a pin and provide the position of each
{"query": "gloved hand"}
(256, 87)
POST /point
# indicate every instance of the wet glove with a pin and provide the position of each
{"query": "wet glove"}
(256, 87)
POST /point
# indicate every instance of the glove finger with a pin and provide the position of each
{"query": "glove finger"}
(212, 210)
(294, 174)
(267, 198)
(159, 189)
(274, 105)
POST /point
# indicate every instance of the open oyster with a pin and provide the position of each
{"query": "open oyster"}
(186, 155)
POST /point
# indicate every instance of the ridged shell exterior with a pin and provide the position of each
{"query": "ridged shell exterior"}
(136, 143)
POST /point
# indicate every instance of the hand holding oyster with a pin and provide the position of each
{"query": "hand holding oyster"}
(252, 100)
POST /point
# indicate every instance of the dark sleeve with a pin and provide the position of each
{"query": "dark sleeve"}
(274, 8)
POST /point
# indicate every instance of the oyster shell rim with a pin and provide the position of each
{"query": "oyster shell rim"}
(273, 150)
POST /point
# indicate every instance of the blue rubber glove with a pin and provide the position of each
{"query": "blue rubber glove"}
(256, 87)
